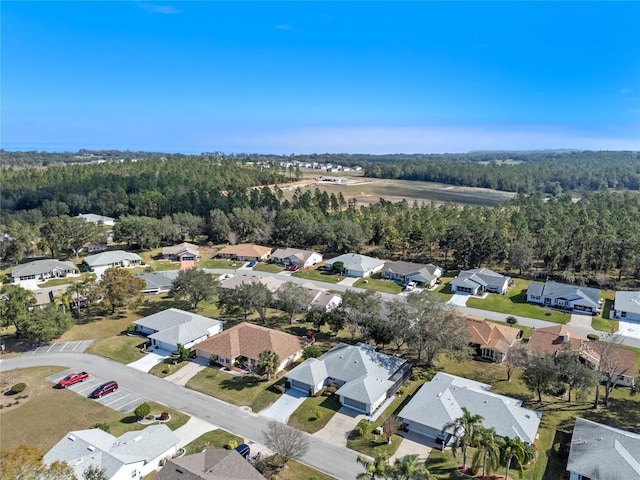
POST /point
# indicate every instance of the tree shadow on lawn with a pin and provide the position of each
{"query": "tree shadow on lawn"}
(239, 383)
(149, 308)
(622, 413)
(519, 298)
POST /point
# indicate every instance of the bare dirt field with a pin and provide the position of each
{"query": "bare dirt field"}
(370, 190)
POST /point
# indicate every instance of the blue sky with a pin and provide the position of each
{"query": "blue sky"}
(305, 77)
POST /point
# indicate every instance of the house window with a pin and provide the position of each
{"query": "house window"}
(623, 314)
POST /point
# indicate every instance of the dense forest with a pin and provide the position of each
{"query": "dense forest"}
(595, 239)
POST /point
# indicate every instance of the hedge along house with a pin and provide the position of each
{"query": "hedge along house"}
(365, 377)
(166, 329)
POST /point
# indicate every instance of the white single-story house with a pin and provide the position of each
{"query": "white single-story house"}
(42, 270)
(158, 282)
(132, 455)
(567, 297)
(245, 252)
(210, 464)
(272, 283)
(627, 306)
(98, 219)
(356, 265)
(422, 274)
(440, 402)
(244, 343)
(479, 280)
(172, 326)
(365, 377)
(114, 258)
(295, 256)
(601, 452)
(183, 252)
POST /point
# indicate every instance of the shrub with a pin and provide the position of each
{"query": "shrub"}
(401, 391)
(415, 377)
(142, 410)
(311, 352)
(593, 336)
(165, 371)
(278, 388)
(18, 387)
(102, 426)
(318, 414)
(131, 328)
(232, 444)
(362, 428)
(511, 320)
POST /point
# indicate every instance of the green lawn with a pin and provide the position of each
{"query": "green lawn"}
(515, 303)
(378, 285)
(123, 349)
(306, 416)
(604, 325)
(319, 275)
(166, 368)
(444, 289)
(54, 282)
(268, 267)
(219, 263)
(215, 438)
(238, 390)
(130, 421)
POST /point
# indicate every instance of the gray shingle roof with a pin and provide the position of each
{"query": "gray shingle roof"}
(405, 268)
(310, 372)
(440, 401)
(38, 267)
(109, 258)
(212, 464)
(628, 302)
(357, 262)
(482, 276)
(177, 326)
(601, 452)
(569, 292)
(158, 280)
(366, 389)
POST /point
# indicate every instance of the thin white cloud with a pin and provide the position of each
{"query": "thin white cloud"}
(284, 27)
(626, 91)
(162, 9)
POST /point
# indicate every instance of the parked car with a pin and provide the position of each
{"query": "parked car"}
(293, 268)
(244, 450)
(252, 264)
(72, 379)
(105, 388)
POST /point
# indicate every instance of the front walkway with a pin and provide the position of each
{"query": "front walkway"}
(150, 360)
(284, 407)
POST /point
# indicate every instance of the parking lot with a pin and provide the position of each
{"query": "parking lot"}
(122, 400)
(78, 346)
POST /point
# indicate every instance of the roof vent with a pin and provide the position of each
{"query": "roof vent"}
(527, 415)
(72, 438)
(91, 448)
(439, 394)
(138, 438)
(599, 439)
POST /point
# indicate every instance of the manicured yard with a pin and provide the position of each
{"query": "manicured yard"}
(166, 368)
(54, 282)
(444, 289)
(515, 303)
(123, 349)
(306, 416)
(319, 275)
(378, 285)
(604, 325)
(239, 390)
(215, 439)
(130, 422)
(268, 267)
(219, 263)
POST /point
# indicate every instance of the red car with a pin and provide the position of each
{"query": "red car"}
(72, 379)
(105, 388)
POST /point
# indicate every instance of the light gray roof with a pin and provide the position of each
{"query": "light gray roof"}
(481, 276)
(628, 302)
(366, 389)
(440, 401)
(554, 290)
(302, 255)
(212, 464)
(181, 247)
(357, 262)
(159, 280)
(535, 289)
(96, 447)
(109, 258)
(93, 218)
(406, 268)
(38, 267)
(601, 452)
(177, 326)
(310, 372)
(348, 362)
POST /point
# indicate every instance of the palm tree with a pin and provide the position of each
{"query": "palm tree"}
(487, 450)
(268, 362)
(378, 468)
(510, 450)
(76, 290)
(410, 467)
(464, 429)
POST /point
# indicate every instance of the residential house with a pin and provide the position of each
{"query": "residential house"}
(41, 270)
(157, 282)
(183, 252)
(98, 219)
(211, 464)
(491, 341)
(166, 329)
(95, 247)
(567, 297)
(295, 256)
(245, 252)
(319, 297)
(551, 340)
(272, 283)
(365, 378)
(602, 452)
(114, 258)
(425, 275)
(440, 401)
(356, 265)
(480, 280)
(131, 455)
(627, 306)
(243, 344)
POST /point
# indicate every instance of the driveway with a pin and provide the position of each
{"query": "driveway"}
(411, 444)
(459, 299)
(580, 321)
(150, 360)
(339, 427)
(348, 282)
(193, 429)
(284, 407)
(629, 328)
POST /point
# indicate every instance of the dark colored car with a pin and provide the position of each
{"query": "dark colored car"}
(105, 388)
(252, 264)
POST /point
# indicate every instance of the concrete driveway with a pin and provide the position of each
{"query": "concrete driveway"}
(629, 328)
(580, 321)
(150, 360)
(411, 444)
(284, 407)
(182, 376)
(337, 430)
(459, 299)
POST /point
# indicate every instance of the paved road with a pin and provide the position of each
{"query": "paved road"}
(337, 461)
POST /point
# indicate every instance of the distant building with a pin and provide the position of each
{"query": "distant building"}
(404, 272)
(29, 274)
(356, 265)
(479, 280)
(98, 219)
(566, 297)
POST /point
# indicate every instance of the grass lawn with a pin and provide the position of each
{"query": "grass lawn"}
(130, 422)
(306, 416)
(378, 285)
(515, 303)
(604, 325)
(48, 414)
(238, 390)
(268, 267)
(319, 275)
(215, 438)
(299, 471)
(219, 263)
(166, 368)
(444, 289)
